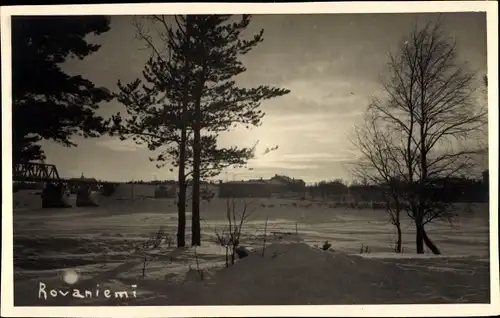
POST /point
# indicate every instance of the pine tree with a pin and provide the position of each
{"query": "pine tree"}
(191, 90)
(219, 104)
(158, 110)
(46, 102)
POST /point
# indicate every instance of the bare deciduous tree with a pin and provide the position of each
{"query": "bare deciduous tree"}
(230, 235)
(430, 105)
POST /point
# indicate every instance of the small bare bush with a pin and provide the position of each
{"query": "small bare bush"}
(156, 239)
(200, 271)
(144, 264)
(229, 236)
(153, 242)
(169, 240)
(265, 237)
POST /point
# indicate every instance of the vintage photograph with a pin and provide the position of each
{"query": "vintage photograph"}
(250, 159)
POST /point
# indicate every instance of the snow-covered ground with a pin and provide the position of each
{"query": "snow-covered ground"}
(100, 244)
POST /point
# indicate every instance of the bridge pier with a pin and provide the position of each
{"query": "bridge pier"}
(83, 196)
(53, 196)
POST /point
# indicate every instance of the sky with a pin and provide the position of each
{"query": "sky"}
(330, 62)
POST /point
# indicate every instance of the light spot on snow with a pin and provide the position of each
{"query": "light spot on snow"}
(70, 276)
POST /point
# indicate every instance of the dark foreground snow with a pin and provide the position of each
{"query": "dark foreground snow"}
(100, 244)
(287, 274)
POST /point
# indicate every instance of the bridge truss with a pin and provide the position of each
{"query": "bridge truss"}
(35, 172)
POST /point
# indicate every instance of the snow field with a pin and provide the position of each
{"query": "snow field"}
(100, 243)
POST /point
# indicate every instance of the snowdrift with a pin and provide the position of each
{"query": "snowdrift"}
(297, 274)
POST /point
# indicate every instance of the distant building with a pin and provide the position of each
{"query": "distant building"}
(245, 189)
(91, 182)
(275, 186)
(285, 185)
(82, 178)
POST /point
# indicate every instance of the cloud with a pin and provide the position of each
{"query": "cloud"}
(323, 124)
(118, 145)
(334, 98)
(300, 161)
(318, 157)
(257, 165)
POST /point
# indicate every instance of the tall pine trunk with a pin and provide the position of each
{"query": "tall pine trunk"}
(195, 219)
(181, 197)
(200, 83)
(181, 204)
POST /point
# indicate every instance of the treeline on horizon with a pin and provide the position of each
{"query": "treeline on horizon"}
(448, 190)
(453, 190)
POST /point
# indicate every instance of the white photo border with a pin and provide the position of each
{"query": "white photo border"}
(7, 301)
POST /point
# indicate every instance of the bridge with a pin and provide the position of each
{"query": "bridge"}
(24, 174)
(35, 172)
(29, 172)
